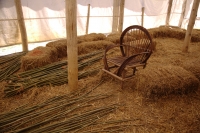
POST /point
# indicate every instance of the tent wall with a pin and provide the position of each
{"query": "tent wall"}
(45, 19)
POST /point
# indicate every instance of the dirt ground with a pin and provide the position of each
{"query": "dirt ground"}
(167, 114)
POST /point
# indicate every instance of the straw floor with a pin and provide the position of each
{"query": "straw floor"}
(173, 113)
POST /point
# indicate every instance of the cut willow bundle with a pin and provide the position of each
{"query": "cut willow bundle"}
(10, 64)
(52, 75)
(60, 110)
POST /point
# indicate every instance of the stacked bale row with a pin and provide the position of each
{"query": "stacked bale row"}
(171, 32)
(55, 50)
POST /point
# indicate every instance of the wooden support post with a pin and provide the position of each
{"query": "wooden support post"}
(20, 18)
(72, 48)
(116, 8)
(142, 20)
(88, 19)
(121, 18)
(182, 13)
(190, 26)
(168, 12)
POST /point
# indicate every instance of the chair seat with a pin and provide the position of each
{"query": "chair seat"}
(119, 60)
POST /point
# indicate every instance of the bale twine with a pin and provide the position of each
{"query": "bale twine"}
(193, 66)
(155, 81)
(38, 57)
(60, 46)
(91, 37)
(114, 37)
(87, 47)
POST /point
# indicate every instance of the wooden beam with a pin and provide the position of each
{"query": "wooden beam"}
(142, 17)
(190, 26)
(72, 48)
(182, 13)
(22, 27)
(168, 12)
(121, 18)
(116, 9)
(88, 19)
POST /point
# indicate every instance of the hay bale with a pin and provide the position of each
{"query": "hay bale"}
(87, 47)
(193, 66)
(38, 57)
(114, 37)
(156, 80)
(60, 46)
(172, 32)
(91, 37)
(195, 35)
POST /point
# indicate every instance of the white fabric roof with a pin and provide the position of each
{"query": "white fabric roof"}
(45, 19)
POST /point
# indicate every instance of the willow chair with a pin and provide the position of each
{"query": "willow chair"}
(135, 48)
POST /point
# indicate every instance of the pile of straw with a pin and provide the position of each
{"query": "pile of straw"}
(91, 37)
(171, 32)
(87, 47)
(114, 37)
(38, 57)
(157, 80)
(60, 46)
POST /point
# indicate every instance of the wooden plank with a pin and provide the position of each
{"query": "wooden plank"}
(168, 12)
(116, 9)
(72, 48)
(190, 26)
(22, 27)
(88, 19)
(182, 13)
(121, 18)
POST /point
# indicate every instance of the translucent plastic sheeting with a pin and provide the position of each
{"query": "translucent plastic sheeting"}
(45, 19)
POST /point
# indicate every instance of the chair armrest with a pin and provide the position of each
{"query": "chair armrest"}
(125, 62)
(105, 54)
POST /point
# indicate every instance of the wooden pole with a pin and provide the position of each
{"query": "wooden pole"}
(116, 9)
(142, 20)
(168, 12)
(21, 23)
(72, 49)
(190, 26)
(121, 18)
(182, 13)
(88, 19)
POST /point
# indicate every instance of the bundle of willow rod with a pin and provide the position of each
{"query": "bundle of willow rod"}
(58, 114)
(53, 74)
(10, 64)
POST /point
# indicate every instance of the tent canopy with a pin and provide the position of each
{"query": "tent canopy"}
(45, 20)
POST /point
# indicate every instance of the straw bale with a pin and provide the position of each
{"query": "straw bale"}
(60, 46)
(114, 37)
(87, 47)
(91, 37)
(195, 35)
(38, 57)
(156, 81)
(193, 66)
(172, 32)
